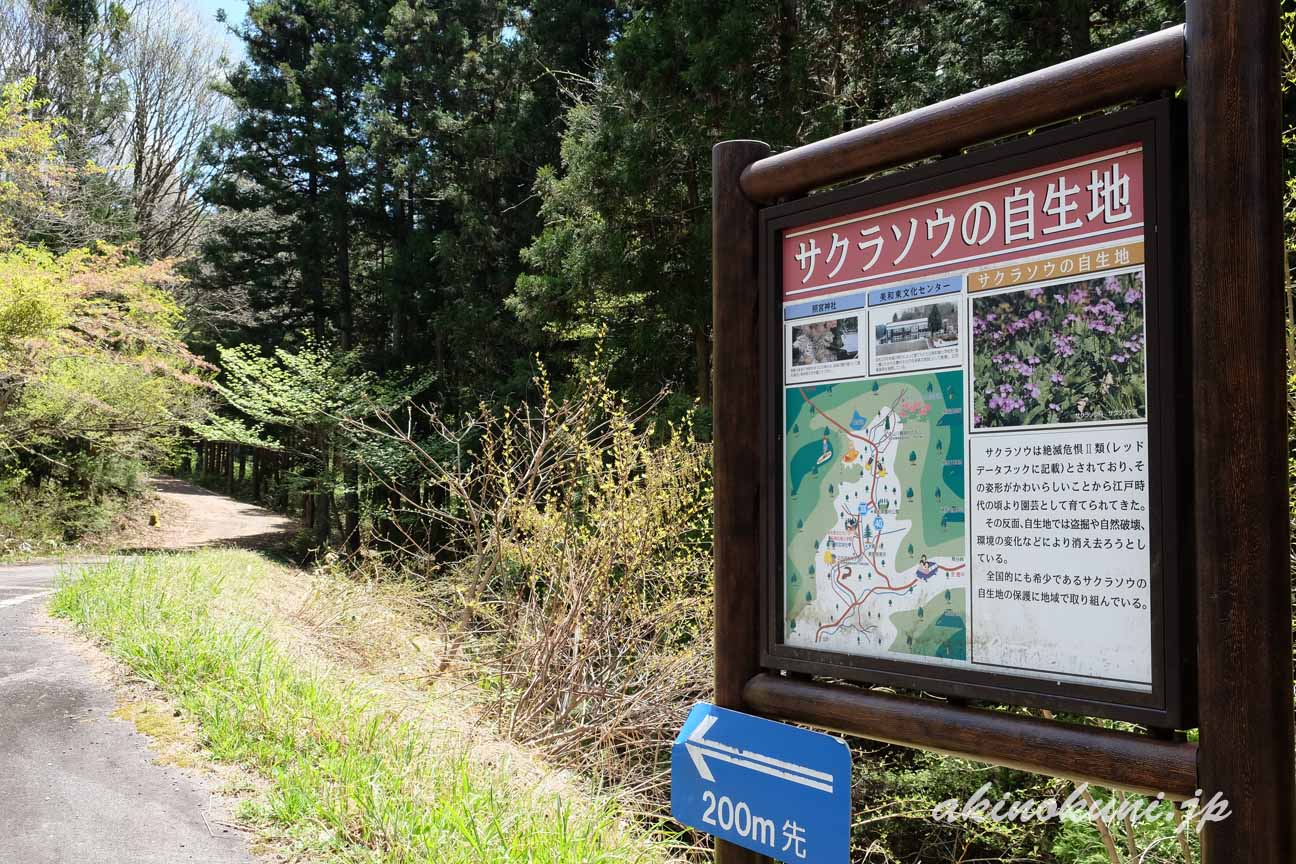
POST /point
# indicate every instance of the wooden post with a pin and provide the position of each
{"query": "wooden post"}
(736, 407)
(1243, 570)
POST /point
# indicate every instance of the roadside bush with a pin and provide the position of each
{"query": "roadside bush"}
(94, 382)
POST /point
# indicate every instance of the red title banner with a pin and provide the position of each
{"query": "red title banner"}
(1077, 202)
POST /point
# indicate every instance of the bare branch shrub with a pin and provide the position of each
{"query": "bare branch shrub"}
(568, 544)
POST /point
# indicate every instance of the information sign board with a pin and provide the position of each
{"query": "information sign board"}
(973, 425)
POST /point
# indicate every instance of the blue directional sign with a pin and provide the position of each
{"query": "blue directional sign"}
(769, 787)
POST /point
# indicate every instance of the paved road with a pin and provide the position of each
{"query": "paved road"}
(76, 785)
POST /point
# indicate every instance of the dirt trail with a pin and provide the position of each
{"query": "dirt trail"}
(190, 516)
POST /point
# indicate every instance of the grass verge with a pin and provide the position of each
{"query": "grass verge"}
(349, 779)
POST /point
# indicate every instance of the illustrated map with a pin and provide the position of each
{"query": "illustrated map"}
(875, 517)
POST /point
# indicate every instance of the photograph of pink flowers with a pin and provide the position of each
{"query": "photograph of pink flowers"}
(1068, 353)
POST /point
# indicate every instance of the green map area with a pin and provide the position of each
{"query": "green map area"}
(875, 516)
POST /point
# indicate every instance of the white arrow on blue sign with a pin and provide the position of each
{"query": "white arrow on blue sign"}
(773, 788)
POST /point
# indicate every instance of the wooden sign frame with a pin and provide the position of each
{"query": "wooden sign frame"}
(1157, 127)
(1235, 537)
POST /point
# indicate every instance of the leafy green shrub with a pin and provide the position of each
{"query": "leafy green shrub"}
(94, 377)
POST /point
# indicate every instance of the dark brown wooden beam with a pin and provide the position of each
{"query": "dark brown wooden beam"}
(1104, 757)
(1244, 650)
(1150, 64)
(735, 406)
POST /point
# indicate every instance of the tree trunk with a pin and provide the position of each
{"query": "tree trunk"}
(787, 37)
(342, 226)
(386, 501)
(323, 509)
(323, 503)
(397, 290)
(312, 270)
(351, 505)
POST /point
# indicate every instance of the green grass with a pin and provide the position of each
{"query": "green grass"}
(349, 780)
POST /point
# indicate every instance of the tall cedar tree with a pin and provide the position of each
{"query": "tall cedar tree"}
(409, 134)
(295, 151)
